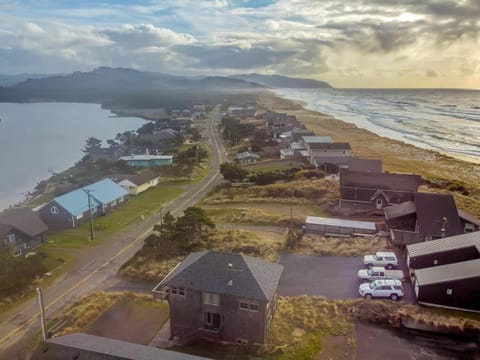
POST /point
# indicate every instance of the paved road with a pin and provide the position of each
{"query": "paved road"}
(334, 277)
(97, 268)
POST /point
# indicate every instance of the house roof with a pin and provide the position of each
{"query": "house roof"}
(24, 220)
(456, 271)
(403, 209)
(330, 146)
(146, 157)
(384, 181)
(140, 178)
(247, 154)
(464, 215)
(365, 225)
(316, 139)
(338, 160)
(97, 347)
(208, 271)
(5, 230)
(445, 244)
(369, 165)
(432, 209)
(102, 192)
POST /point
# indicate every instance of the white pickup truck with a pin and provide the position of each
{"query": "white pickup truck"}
(378, 272)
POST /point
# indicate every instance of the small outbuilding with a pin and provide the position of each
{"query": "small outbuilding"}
(332, 226)
(138, 183)
(444, 251)
(454, 286)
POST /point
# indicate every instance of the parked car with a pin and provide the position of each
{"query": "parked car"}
(381, 288)
(387, 259)
(379, 272)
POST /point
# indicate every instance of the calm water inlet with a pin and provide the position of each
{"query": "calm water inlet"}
(36, 137)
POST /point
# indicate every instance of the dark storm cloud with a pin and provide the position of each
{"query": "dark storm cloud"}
(375, 36)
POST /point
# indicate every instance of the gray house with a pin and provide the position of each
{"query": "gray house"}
(428, 216)
(21, 230)
(90, 347)
(454, 286)
(365, 192)
(222, 297)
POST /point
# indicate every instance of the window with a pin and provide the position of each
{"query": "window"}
(211, 299)
(173, 290)
(18, 252)
(248, 305)
(242, 341)
(181, 291)
(449, 291)
(54, 210)
(253, 307)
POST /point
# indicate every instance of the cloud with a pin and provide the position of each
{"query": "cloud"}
(332, 39)
(431, 73)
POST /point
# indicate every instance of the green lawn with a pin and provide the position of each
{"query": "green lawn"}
(117, 220)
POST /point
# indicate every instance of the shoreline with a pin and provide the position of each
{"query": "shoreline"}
(397, 156)
(385, 131)
(29, 195)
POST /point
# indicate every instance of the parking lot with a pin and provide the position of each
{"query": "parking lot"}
(334, 277)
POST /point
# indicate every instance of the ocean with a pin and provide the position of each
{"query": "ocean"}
(447, 121)
(38, 137)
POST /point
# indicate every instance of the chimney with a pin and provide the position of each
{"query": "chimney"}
(230, 280)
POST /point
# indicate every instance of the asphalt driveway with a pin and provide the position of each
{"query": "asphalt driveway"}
(334, 277)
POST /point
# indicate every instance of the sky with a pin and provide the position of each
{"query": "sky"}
(349, 43)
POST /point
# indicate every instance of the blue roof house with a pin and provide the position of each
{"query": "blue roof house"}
(71, 209)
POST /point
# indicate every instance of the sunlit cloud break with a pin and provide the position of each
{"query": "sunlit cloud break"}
(379, 43)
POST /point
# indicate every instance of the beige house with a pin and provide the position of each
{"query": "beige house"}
(138, 183)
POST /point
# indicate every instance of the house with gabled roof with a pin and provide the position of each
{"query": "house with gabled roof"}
(137, 183)
(21, 230)
(368, 192)
(73, 208)
(428, 216)
(224, 297)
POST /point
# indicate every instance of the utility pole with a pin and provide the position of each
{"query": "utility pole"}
(196, 153)
(291, 207)
(88, 191)
(42, 314)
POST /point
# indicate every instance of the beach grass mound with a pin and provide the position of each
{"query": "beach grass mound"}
(332, 246)
(153, 264)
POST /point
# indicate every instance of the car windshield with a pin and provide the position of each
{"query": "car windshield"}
(370, 271)
(372, 285)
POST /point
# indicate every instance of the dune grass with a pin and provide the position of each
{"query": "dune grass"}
(397, 156)
(331, 246)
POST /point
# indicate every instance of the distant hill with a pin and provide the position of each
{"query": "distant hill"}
(280, 81)
(9, 80)
(120, 86)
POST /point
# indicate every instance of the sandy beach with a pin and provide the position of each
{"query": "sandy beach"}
(397, 156)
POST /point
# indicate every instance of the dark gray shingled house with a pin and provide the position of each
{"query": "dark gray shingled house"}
(223, 297)
(364, 192)
(21, 230)
(427, 217)
(90, 347)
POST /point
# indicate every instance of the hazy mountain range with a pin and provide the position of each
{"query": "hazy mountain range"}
(128, 87)
(279, 81)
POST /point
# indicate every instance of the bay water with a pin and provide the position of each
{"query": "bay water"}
(37, 138)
